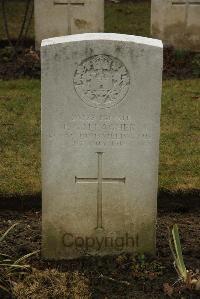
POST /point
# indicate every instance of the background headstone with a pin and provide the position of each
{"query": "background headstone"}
(63, 17)
(101, 98)
(177, 22)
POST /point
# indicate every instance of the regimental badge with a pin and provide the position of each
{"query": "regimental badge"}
(101, 81)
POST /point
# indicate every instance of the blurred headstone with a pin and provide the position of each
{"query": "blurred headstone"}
(177, 22)
(64, 17)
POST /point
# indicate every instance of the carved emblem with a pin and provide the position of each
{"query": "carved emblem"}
(101, 81)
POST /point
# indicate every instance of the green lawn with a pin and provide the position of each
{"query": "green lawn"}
(20, 136)
(129, 18)
(180, 142)
(20, 114)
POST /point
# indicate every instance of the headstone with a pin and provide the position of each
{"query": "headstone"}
(63, 17)
(177, 22)
(101, 98)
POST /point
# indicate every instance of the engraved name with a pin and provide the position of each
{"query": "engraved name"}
(101, 130)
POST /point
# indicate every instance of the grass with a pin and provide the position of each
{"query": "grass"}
(20, 156)
(180, 124)
(51, 283)
(9, 267)
(20, 136)
(129, 18)
(20, 114)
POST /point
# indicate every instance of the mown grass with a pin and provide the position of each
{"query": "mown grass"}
(20, 113)
(20, 136)
(129, 18)
(180, 140)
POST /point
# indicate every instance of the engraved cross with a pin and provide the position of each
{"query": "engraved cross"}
(69, 4)
(100, 180)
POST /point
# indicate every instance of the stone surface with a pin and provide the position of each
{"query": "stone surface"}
(177, 22)
(63, 17)
(101, 98)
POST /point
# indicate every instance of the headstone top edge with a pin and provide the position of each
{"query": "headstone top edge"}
(102, 36)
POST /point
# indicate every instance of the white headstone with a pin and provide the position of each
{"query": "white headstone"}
(177, 22)
(63, 17)
(101, 98)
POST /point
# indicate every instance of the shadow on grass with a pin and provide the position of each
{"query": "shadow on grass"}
(179, 201)
(170, 201)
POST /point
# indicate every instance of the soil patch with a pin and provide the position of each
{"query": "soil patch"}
(107, 277)
(171, 201)
(177, 64)
(25, 65)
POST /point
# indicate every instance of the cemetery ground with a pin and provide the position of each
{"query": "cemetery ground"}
(20, 188)
(126, 17)
(109, 277)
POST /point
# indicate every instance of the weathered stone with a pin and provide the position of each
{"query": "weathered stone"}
(101, 97)
(63, 17)
(177, 22)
